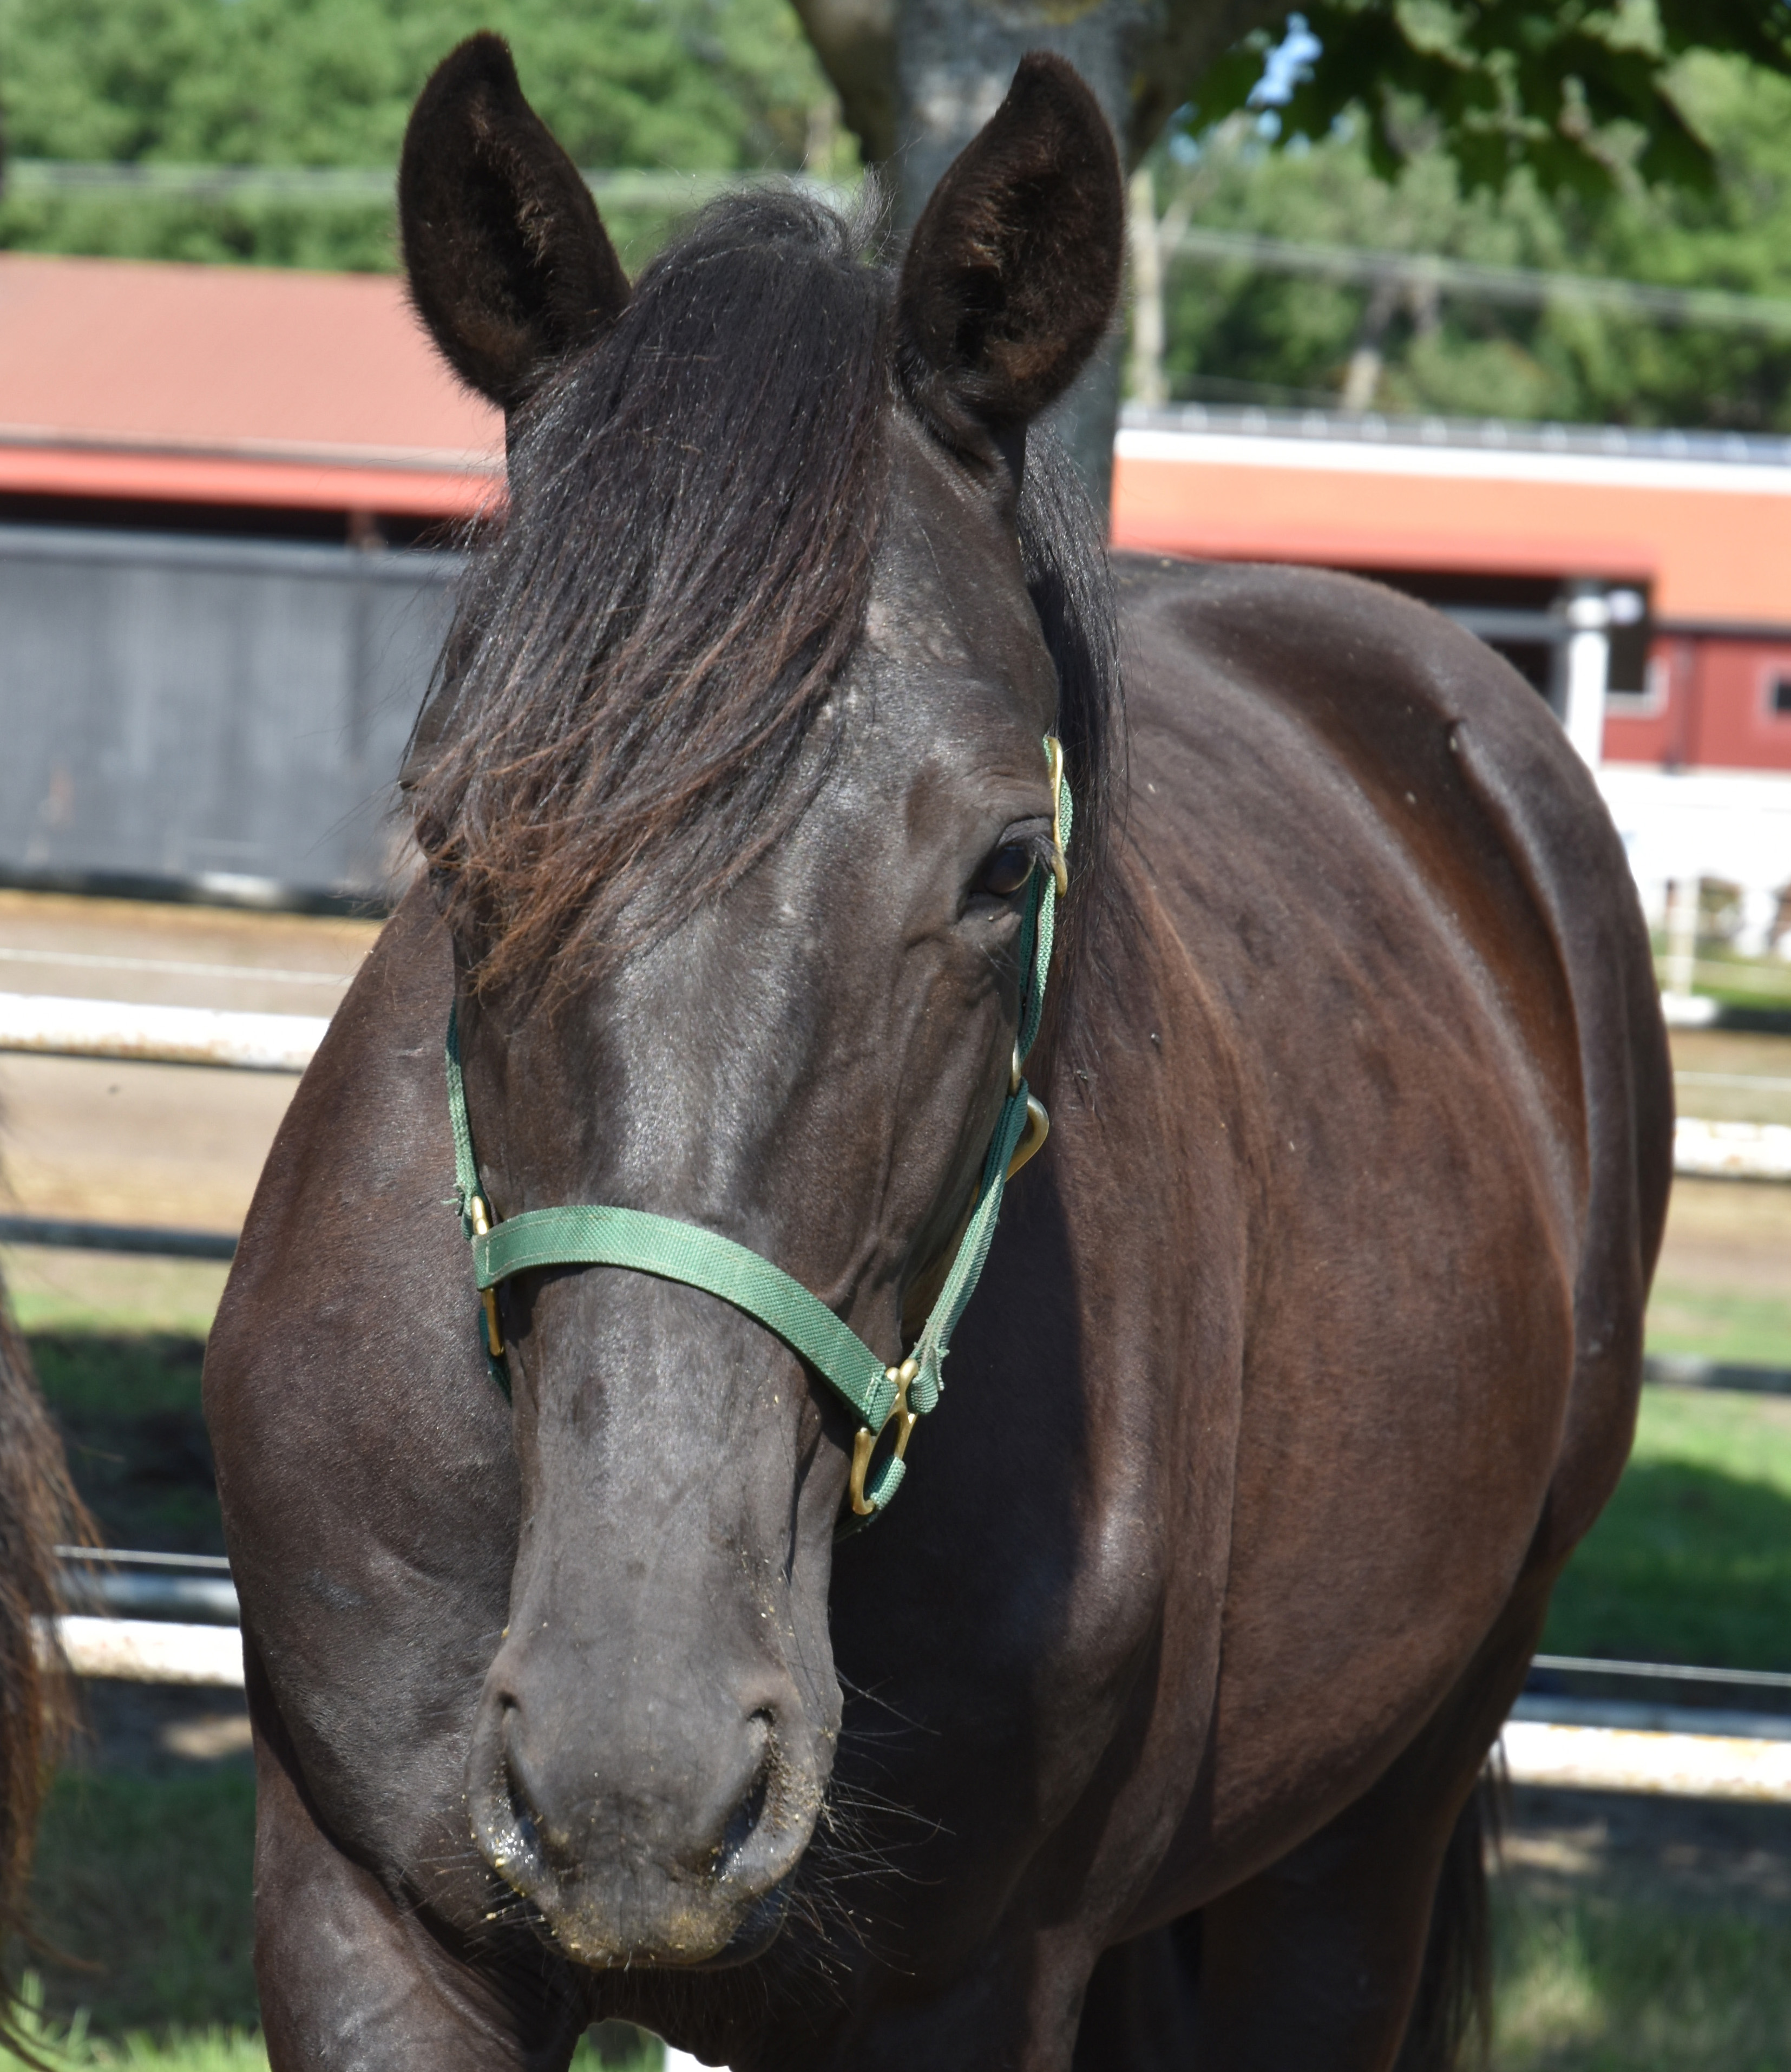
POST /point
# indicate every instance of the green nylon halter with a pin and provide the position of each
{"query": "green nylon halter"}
(588, 1235)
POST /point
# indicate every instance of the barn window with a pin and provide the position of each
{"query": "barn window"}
(1778, 697)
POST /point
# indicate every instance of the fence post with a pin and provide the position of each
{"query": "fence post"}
(1588, 670)
(1682, 936)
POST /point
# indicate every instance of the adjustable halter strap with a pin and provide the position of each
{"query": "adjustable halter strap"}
(588, 1235)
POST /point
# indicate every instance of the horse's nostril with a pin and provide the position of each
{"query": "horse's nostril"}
(509, 1832)
(743, 1823)
(522, 1814)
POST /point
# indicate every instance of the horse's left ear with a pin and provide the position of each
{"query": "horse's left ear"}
(510, 266)
(1012, 273)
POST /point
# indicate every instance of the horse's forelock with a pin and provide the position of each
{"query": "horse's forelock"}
(640, 656)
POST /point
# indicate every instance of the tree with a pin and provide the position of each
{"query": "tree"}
(696, 85)
(1554, 89)
(1239, 333)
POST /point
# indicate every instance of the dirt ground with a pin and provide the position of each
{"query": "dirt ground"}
(1683, 1851)
(154, 1143)
(158, 1730)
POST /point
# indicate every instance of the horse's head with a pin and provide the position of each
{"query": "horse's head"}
(732, 790)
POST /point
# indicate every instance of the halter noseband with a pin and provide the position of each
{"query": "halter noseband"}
(589, 1235)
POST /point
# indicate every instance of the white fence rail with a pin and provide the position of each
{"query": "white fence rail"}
(148, 1651)
(1732, 1150)
(1676, 1766)
(79, 1028)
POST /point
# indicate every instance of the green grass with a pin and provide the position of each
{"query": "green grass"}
(73, 2047)
(1742, 1331)
(1691, 1560)
(1599, 1984)
(144, 1886)
(1725, 975)
(111, 1291)
(144, 1883)
(1589, 1983)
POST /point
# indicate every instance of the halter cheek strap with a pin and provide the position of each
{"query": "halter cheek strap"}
(589, 1235)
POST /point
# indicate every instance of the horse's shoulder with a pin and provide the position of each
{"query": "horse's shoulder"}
(371, 1109)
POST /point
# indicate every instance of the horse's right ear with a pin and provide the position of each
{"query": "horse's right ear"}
(510, 266)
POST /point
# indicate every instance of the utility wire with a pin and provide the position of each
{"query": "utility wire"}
(1528, 286)
(359, 186)
(622, 188)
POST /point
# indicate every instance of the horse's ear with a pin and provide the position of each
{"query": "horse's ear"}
(510, 266)
(1012, 273)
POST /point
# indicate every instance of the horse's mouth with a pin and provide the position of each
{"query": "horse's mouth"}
(688, 1939)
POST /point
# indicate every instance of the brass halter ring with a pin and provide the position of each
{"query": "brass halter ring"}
(866, 1439)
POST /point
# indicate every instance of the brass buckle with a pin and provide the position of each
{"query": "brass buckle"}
(481, 1227)
(1060, 867)
(862, 1445)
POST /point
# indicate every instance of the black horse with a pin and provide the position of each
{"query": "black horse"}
(1143, 1730)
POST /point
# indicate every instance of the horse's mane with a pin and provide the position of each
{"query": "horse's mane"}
(37, 1507)
(640, 655)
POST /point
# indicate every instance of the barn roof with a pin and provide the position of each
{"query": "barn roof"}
(224, 384)
(1705, 519)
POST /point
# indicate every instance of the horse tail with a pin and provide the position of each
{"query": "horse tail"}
(1451, 2018)
(37, 1507)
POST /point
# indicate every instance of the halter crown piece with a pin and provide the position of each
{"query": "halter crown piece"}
(675, 1250)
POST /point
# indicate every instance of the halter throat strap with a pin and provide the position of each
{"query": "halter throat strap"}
(587, 1235)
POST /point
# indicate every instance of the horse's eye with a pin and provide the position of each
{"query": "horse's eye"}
(1006, 871)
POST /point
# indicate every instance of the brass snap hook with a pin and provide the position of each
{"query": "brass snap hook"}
(1031, 1138)
(904, 1378)
(1060, 867)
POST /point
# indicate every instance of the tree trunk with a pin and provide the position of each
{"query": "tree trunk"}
(949, 62)
(1149, 328)
(954, 62)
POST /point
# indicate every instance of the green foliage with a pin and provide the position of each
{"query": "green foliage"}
(1235, 331)
(1533, 86)
(693, 85)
